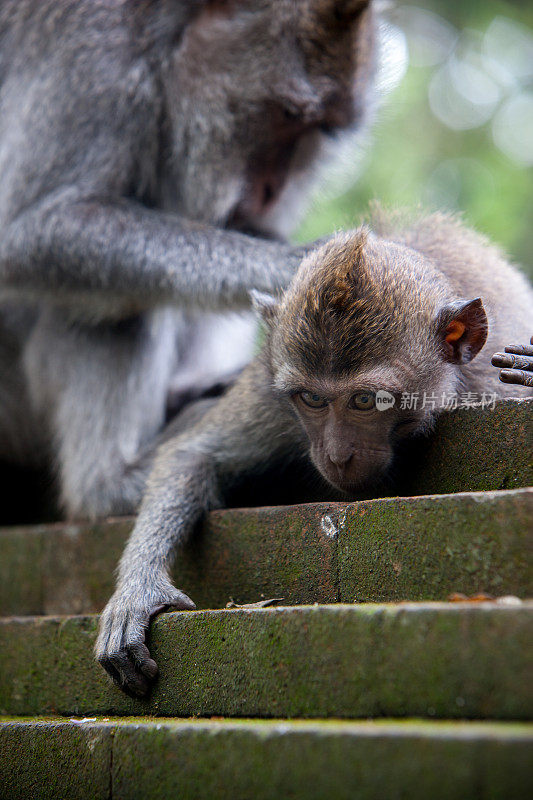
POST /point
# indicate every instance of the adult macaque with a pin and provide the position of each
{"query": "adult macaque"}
(152, 154)
(377, 314)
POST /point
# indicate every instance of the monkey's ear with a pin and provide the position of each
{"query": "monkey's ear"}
(463, 329)
(266, 304)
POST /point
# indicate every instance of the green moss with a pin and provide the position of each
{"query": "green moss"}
(390, 549)
(49, 760)
(428, 547)
(139, 757)
(21, 570)
(246, 554)
(309, 761)
(474, 450)
(317, 661)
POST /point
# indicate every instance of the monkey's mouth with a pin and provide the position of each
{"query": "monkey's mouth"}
(264, 181)
(361, 477)
(353, 488)
(260, 196)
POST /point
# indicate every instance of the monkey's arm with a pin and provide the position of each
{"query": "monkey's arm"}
(81, 137)
(119, 257)
(517, 362)
(245, 431)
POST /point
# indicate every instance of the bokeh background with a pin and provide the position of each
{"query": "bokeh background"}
(454, 128)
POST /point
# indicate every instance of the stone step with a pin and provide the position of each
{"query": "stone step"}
(472, 449)
(264, 760)
(392, 549)
(442, 660)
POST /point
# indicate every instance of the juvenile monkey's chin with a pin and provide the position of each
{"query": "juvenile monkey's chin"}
(353, 483)
(353, 488)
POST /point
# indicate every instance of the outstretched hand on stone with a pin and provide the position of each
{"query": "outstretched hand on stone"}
(516, 363)
(121, 647)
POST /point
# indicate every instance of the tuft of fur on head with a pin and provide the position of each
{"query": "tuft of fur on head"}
(412, 299)
(354, 302)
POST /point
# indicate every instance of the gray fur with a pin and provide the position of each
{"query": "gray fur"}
(139, 143)
(405, 274)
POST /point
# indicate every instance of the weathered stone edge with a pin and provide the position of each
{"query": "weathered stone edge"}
(472, 449)
(264, 759)
(436, 660)
(456, 728)
(382, 550)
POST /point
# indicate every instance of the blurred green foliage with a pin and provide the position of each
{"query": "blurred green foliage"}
(410, 151)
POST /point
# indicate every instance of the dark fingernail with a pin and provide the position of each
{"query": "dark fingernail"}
(507, 375)
(139, 687)
(149, 668)
(501, 360)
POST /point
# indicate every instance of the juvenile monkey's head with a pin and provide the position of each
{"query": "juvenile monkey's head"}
(366, 326)
(256, 91)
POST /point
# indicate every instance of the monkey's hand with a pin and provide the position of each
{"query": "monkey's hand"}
(517, 362)
(120, 647)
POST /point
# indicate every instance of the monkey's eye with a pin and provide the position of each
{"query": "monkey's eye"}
(313, 400)
(363, 401)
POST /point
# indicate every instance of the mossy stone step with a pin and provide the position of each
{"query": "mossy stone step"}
(473, 449)
(458, 660)
(264, 760)
(420, 548)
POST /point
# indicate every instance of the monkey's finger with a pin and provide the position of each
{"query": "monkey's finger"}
(130, 679)
(521, 349)
(106, 662)
(512, 361)
(516, 376)
(140, 655)
(181, 602)
(110, 669)
(135, 646)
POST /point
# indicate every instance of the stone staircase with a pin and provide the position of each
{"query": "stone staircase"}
(364, 682)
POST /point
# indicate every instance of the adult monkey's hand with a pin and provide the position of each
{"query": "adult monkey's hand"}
(517, 363)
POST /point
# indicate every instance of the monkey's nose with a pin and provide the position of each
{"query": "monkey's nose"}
(341, 459)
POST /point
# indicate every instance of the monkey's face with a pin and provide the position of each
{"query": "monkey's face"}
(367, 343)
(348, 445)
(256, 90)
(353, 425)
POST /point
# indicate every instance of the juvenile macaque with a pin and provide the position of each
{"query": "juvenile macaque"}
(374, 315)
(152, 156)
